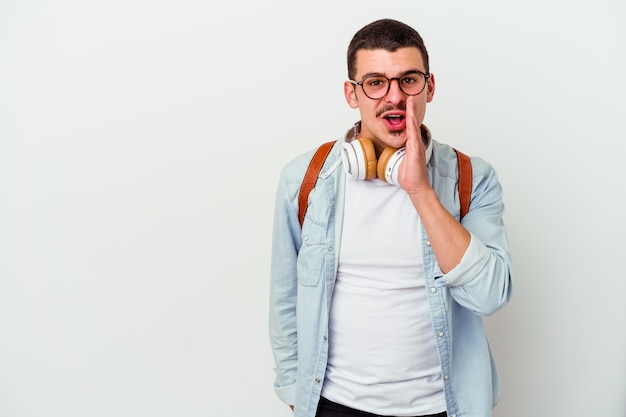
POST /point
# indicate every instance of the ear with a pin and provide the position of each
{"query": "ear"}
(350, 94)
(431, 88)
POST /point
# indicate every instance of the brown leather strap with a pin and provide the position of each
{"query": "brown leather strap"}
(465, 181)
(310, 177)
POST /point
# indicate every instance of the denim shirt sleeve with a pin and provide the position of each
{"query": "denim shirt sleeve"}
(283, 285)
(482, 281)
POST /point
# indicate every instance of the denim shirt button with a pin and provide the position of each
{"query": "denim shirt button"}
(317, 380)
(440, 334)
(433, 290)
(428, 243)
(330, 249)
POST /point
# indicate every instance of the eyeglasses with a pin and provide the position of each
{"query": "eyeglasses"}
(376, 87)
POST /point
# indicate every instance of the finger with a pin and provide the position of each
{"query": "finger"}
(410, 119)
(412, 127)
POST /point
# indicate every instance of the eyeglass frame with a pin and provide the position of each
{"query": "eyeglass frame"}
(389, 80)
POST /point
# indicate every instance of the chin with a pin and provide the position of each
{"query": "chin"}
(396, 139)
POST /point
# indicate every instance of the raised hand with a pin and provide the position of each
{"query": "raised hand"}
(412, 173)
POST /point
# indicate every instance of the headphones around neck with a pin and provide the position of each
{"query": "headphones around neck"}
(360, 163)
(359, 157)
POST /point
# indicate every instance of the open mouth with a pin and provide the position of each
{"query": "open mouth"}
(395, 120)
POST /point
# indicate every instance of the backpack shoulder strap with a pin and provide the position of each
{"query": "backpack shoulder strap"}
(310, 177)
(465, 181)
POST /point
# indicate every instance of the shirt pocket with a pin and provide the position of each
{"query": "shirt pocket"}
(312, 256)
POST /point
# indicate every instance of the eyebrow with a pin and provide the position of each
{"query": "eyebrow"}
(378, 74)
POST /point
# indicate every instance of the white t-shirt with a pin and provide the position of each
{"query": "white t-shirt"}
(382, 354)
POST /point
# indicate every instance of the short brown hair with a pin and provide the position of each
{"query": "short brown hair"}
(387, 34)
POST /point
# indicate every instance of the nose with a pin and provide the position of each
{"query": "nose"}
(395, 93)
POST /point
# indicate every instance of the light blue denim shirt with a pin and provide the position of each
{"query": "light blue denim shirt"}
(304, 266)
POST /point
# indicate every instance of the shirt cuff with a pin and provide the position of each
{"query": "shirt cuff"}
(472, 262)
(287, 394)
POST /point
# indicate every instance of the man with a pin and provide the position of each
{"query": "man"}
(376, 302)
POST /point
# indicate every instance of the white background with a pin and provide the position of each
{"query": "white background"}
(140, 145)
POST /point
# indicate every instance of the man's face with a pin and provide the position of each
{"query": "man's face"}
(384, 120)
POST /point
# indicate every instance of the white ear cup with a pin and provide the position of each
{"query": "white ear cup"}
(359, 159)
(353, 160)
